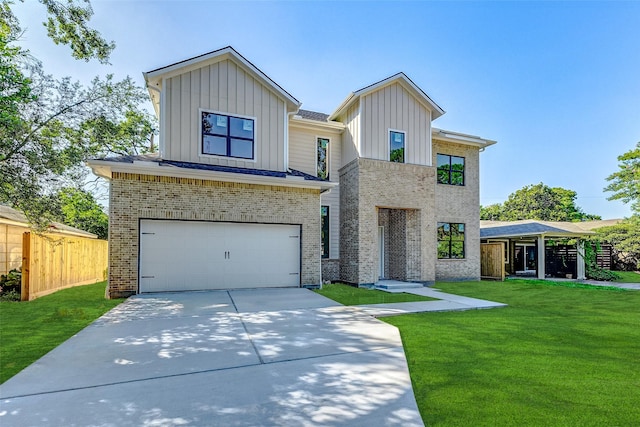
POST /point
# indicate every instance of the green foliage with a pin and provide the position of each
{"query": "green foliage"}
(625, 183)
(11, 286)
(397, 155)
(49, 127)
(539, 202)
(625, 239)
(30, 329)
(79, 209)
(549, 358)
(350, 295)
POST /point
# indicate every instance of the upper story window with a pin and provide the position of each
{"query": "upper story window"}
(322, 158)
(228, 136)
(450, 240)
(396, 146)
(450, 169)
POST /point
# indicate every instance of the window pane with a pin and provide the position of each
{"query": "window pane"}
(457, 231)
(443, 161)
(241, 128)
(323, 160)
(457, 250)
(457, 163)
(443, 176)
(241, 148)
(443, 231)
(324, 236)
(214, 145)
(396, 145)
(443, 249)
(457, 178)
(214, 123)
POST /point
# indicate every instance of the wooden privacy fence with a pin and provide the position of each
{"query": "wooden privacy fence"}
(492, 261)
(51, 263)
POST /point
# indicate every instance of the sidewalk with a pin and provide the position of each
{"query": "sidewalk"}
(446, 302)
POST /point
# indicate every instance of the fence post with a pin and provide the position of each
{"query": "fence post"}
(26, 266)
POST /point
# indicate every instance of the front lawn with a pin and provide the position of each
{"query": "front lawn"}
(628, 277)
(557, 355)
(350, 295)
(29, 330)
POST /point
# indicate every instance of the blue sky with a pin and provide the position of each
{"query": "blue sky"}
(557, 84)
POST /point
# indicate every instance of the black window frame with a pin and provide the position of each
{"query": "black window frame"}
(204, 114)
(404, 145)
(324, 231)
(445, 174)
(447, 240)
(326, 157)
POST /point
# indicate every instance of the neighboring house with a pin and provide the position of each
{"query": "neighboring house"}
(249, 190)
(13, 224)
(546, 248)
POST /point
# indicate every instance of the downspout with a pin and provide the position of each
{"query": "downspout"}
(286, 136)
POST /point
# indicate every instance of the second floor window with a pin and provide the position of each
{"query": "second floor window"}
(228, 136)
(396, 146)
(323, 158)
(450, 169)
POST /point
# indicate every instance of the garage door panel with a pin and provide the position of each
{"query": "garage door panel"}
(190, 255)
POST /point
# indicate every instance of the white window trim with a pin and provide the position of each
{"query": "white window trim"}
(222, 113)
(404, 132)
(328, 155)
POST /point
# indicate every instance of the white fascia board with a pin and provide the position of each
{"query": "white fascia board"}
(546, 234)
(299, 122)
(105, 168)
(343, 106)
(460, 138)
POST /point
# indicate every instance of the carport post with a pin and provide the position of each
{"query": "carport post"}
(580, 273)
(541, 260)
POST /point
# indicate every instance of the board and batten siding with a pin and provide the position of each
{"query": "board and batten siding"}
(351, 135)
(394, 107)
(302, 157)
(227, 88)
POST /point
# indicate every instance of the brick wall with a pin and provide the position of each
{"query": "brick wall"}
(367, 185)
(330, 270)
(134, 196)
(460, 204)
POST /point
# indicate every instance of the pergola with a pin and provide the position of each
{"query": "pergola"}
(539, 232)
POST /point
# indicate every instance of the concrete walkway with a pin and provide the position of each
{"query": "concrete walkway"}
(271, 357)
(445, 301)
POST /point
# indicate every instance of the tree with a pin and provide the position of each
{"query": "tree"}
(79, 209)
(625, 183)
(625, 186)
(50, 127)
(68, 24)
(539, 202)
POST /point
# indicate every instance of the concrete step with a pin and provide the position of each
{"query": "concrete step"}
(396, 285)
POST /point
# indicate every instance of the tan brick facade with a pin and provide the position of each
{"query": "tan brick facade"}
(460, 204)
(372, 192)
(134, 197)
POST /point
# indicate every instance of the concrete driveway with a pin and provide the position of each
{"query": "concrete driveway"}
(274, 357)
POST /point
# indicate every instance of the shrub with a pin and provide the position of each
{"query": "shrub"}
(11, 285)
(598, 273)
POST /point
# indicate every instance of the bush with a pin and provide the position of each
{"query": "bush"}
(598, 273)
(11, 286)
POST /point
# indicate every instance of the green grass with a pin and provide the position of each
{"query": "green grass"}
(29, 330)
(350, 295)
(558, 355)
(628, 277)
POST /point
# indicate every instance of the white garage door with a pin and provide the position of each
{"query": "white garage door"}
(192, 255)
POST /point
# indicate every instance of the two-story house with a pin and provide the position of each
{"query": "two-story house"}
(249, 190)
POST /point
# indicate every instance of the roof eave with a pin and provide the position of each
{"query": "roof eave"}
(105, 169)
(461, 138)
